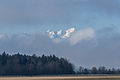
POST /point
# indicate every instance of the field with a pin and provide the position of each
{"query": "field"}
(63, 78)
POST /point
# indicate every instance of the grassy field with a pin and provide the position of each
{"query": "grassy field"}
(64, 78)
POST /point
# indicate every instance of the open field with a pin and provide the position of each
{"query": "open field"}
(64, 78)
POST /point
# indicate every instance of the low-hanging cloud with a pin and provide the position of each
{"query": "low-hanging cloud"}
(86, 53)
(85, 34)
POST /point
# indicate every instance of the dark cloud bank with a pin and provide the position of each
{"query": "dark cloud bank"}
(51, 11)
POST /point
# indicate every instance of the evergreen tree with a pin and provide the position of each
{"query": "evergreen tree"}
(19, 64)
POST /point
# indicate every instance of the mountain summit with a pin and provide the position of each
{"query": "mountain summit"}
(60, 33)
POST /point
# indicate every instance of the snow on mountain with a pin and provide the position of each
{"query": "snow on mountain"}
(60, 33)
(51, 34)
(68, 32)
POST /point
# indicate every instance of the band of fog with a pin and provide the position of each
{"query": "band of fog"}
(85, 34)
(106, 52)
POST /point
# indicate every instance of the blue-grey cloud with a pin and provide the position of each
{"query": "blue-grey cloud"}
(103, 49)
(37, 15)
(36, 12)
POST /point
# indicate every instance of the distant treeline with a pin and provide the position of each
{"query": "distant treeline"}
(99, 70)
(19, 64)
(26, 65)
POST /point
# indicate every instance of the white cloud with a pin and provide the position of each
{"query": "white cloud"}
(68, 32)
(2, 36)
(85, 34)
(85, 53)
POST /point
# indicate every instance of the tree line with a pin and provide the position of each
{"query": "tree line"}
(30, 65)
(99, 70)
(19, 64)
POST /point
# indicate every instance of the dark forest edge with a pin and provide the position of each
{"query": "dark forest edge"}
(26, 65)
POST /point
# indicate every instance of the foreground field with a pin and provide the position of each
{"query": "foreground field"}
(64, 78)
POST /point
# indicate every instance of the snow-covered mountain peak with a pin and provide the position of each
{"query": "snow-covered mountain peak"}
(60, 33)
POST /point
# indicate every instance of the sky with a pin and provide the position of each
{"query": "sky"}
(26, 26)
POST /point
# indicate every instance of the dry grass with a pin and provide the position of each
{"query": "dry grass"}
(63, 78)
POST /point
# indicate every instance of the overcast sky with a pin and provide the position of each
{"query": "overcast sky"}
(95, 42)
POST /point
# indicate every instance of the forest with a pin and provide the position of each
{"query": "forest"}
(30, 65)
(19, 64)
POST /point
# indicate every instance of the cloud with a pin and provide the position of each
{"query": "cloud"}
(71, 36)
(25, 43)
(85, 34)
(83, 51)
(2, 36)
(29, 15)
(52, 12)
(106, 6)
